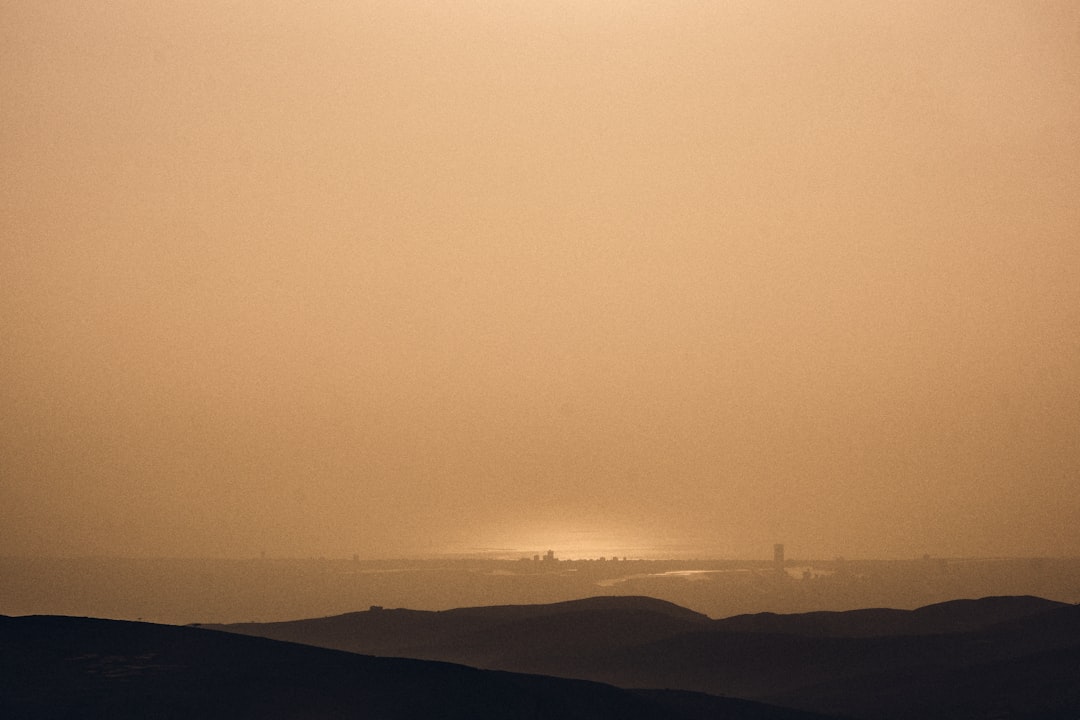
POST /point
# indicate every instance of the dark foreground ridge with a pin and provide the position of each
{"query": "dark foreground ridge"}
(997, 657)
(67, 667)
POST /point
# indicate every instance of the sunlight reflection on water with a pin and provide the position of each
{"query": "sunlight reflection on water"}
(689, 575)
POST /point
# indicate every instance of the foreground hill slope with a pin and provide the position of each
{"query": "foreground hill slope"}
(1023, 667)
(65, 667)
(927, 663)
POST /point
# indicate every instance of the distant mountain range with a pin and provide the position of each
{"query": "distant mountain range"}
(598, 658)
(66, 667)
(996, 657)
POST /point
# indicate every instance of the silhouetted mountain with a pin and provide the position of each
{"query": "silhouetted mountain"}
(947, 617)
(1028, 667)
(65, 667)
(490, 636)
(827, 662)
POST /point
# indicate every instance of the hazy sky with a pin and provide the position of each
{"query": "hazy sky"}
(393, 277)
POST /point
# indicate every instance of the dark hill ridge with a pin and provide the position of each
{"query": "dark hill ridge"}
(947, 617)
(827, 662)
(774, 666)
(949, 675)
(498, 635)
(479, 635)
(65, 667)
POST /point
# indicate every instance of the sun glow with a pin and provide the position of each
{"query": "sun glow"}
(569, 540)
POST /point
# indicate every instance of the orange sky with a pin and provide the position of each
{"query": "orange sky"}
(395, 277)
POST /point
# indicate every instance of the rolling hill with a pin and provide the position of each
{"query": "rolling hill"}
(66, 667)
(933, 662)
